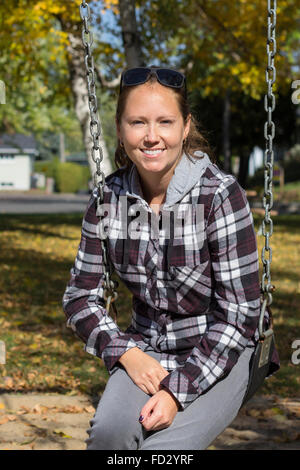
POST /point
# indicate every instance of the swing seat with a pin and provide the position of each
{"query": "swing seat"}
(260, 364)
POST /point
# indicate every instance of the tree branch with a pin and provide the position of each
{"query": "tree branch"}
(214, 19)
(112, 84)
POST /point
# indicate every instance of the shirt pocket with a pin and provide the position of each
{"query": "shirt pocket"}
(191, 286)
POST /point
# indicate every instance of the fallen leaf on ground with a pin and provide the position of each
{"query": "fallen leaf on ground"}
(272, 412)
(24, 410)
(21, 412)
(71, 409)
(8, 382)
(12, 418)
(292, 406)
(4, 420)
(7, 418)
(254, 413)
(61, 433)
(89, 409)
(27, 442)
(37, 409)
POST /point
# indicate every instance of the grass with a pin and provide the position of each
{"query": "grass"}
(289, 193)
(37, 252)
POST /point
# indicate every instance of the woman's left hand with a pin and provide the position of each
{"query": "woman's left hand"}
(159, 411)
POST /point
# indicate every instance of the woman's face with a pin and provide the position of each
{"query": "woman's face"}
(152, 128)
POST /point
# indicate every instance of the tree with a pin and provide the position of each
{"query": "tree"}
(25, 31)
(221, 47)
(130, 34)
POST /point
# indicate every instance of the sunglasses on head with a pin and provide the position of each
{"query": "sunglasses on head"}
(139, 75)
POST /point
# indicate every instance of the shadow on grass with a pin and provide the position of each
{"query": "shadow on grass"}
(12, 223)
(290, 222)
(31, 290)
(33, 285)
(278, 274)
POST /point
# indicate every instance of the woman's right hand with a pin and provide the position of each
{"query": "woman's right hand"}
(145, 371)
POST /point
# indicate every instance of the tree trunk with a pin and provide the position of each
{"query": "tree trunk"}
(80, 93)
(226, 133)
(62, 155)
(131, 39)
(244, 166)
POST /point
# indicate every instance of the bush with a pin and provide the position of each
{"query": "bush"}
(257, 180)
(291, 164)
(46, 167)
(68, 177)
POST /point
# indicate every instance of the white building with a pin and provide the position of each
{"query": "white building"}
(256, 160)
(17, 155)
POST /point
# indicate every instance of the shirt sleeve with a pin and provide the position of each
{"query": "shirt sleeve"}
(83, 301)
(235, 301)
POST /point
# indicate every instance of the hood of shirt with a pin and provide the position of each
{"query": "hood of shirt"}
(186, 174)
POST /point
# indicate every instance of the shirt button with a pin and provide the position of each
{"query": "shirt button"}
(172, 271)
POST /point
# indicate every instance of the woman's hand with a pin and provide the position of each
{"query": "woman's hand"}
(145, 371)
(159, 411)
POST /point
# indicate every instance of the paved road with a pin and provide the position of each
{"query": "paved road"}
(31, 421)
(40, 203)
(28, 203)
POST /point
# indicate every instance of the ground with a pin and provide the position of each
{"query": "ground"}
(43, 355)
(59, 422)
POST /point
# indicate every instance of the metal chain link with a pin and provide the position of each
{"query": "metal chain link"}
(269, 132)
(110, 293)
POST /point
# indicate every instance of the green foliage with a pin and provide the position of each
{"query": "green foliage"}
(107, 108)
(68, 177)
(257, 180)
(293, 154)
(217, 49)
(291, 171)
(46, 167)
(292, 164)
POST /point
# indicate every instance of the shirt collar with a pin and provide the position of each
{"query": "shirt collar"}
(186, 174)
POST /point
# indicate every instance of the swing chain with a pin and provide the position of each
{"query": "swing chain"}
(269, 133)
(110, 293)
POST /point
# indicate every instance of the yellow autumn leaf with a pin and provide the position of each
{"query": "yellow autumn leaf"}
(61, 433)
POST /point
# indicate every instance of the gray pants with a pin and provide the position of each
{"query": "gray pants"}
(116, 426)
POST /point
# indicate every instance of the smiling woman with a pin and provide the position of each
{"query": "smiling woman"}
(192, 142)
(153, 139)
(179, 373)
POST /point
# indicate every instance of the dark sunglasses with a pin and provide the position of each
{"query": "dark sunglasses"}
(139, 75)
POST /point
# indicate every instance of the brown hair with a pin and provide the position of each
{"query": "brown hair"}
(194, 141)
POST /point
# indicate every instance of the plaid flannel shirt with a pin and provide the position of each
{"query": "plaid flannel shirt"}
(196, 304)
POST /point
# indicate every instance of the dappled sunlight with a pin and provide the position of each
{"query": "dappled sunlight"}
(37, 253)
